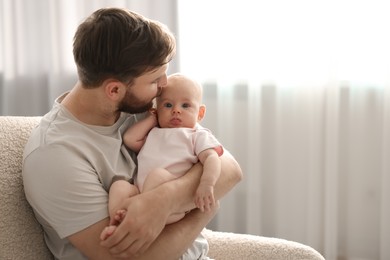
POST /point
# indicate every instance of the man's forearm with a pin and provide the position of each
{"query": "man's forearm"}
(183, 189)
(230, 175)
(176, 238)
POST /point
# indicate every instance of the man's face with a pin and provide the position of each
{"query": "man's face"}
(140, 95)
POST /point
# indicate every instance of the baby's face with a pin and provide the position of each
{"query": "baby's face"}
(179, 104)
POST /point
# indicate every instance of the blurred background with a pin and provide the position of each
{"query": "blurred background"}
(298, 91)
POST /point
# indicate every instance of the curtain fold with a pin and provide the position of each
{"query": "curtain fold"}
(331, 171)
(315, 161)
(385, 181)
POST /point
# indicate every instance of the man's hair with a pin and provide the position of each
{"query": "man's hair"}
(120, 44)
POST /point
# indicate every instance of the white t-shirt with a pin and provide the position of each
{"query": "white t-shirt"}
(67, 169)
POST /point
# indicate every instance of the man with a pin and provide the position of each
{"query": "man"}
(72, 156)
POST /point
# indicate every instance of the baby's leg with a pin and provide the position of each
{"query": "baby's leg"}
(175, 217)
(119, 216)
(119, 191)
(157, 177)
(109, 230)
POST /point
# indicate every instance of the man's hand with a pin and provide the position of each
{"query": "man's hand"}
(145, 219)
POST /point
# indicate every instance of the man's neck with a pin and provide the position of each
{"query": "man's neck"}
(90, 106)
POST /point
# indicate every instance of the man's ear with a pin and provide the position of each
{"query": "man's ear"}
(114, 90)
(202, 112)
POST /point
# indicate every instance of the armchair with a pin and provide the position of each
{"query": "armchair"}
(21, 236)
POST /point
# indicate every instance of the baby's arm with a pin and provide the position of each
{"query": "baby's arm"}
(135, 136)
(204, 198)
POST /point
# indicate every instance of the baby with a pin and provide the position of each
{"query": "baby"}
(168, 142)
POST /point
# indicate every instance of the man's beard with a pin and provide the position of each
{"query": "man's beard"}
(131, 104)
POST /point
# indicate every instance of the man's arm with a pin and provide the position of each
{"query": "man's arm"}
(147, 208)
(158, 204)
(231, 174)
(170, 244)
(146, 216)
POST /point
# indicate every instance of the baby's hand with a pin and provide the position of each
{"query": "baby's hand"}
(204, 198)
(153, 111)
(153, 115)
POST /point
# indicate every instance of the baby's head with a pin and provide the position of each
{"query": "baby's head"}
(180, 103)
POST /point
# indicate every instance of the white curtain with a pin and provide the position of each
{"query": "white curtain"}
(316, 164)
(36, 37)
(299, 92)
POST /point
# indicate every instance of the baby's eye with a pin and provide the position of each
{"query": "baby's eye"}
(186, 105)
(168, 105)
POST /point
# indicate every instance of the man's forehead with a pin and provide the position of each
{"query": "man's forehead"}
(152, 74)
(157, 70)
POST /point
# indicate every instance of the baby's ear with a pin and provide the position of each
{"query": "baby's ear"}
(202, 112)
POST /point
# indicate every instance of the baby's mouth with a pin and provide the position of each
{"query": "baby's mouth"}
(175, 121)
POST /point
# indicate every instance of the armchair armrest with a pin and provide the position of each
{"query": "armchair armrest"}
(226, 246)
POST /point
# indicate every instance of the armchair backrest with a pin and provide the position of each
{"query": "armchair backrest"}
(21, 236)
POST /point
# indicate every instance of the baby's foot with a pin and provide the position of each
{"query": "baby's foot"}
(107, 231)
(120, 215)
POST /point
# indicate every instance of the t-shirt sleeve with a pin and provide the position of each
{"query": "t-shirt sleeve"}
(205, 140)
(67, 194)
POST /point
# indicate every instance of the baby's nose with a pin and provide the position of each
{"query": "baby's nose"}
(176, 110)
